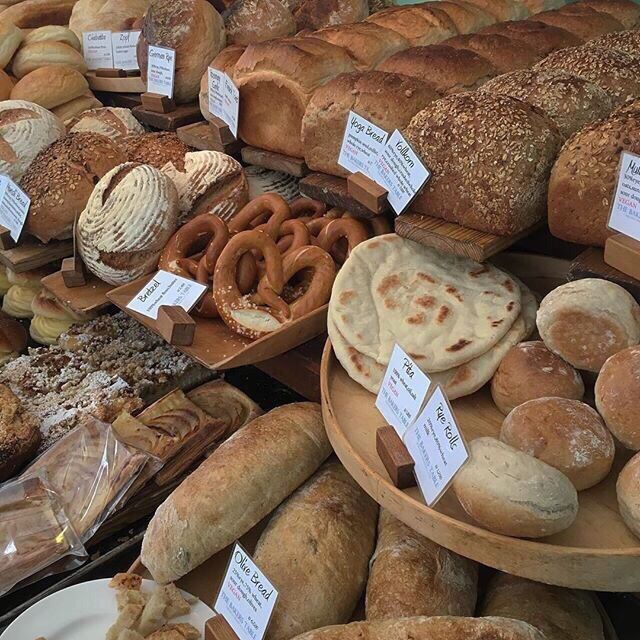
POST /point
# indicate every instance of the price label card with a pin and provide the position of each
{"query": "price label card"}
(436, 446)
(161, 70)
(166, 289)
(362, 143)
(399, 170)
(246, 598)
(124, 45)
(14, 206)
(402, 392)
(96, 49)
(224, 99)
(625, 211)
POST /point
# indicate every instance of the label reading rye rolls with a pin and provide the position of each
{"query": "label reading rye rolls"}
(161, 69)
(96, 49)
(224, 99)
(124, 45)
(402, 392)
(246, 598)
(399, 170)
(14, 206)
(625, 211)
(362, 143)
(436, 446)
(166, 289)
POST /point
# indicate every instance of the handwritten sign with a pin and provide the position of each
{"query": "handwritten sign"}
(96, 49)
(224, 99)
(436, 446)
(14, 206)
(362, 143)
(625, 211)
(124, 44)
(161, 69)
(246, 598)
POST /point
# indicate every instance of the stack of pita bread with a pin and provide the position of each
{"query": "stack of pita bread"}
(455, 317)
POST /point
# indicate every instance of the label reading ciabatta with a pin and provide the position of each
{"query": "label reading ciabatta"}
(224, 99)
(14, 206)
(96, 49)
(124, 45)
(246, 598)
(625, 211)
(362, 143)
(161, 68)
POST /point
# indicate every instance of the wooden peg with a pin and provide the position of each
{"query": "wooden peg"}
(157, 102)
(217, 628)
(73, 273)
(623, 253)
(367, 192)
(395, 457)
(111, 73)
(6, 241)
(175, 325)
(221, 131)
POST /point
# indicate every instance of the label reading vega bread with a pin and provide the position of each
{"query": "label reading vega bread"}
(96, 49)
(161, 68)
(224, 99)
(14, 206)
(362, 143)
(625, 211)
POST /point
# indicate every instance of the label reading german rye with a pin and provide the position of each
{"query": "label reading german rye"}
(161, 69)
(124, 44)
(625, 211)
(224, 99)
(96, 49)
(14, 206)
(362, 143)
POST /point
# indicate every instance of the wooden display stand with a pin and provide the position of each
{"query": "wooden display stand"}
(175, 326)
(623, 253)
(105, 80)
(395, 457)
(162, 113)
(73, 272)
(295, 167)
(210, 136)
(30, 254)
(82, 299)
(217, 628)
(368, 193)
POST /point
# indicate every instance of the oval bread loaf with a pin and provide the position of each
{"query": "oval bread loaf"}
(54, 33)
(628, 492)
(51, 86)
(112, 122)
(10, 39)
(47, 53)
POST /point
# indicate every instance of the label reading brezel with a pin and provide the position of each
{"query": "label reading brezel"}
(402, 392)
(14, 206)
(436, 446)
(96, 49)
(246, 598)
(362, 143)
(399, 170)
(224, 99)
(161, 67)
(166, 289)
(625, 212)
(124, 45)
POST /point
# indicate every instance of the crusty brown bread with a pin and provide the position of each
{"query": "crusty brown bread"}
(156, 149)
(467, 17)
(581, 21)
(419, 24)
(30, 14)
(503, 9)
(50, 86)
(541, 37)
(626, 12)
(316, 14)
(628, 493)
(249, 21)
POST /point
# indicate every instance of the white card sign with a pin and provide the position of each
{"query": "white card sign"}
(161, 68)
(224, 99)
(246, 598)
(14, 206)
(436, 446)
(96, 49)
(124, 44)
(399, 170)
(402, 392)
(166, 288)
(362, 143)
(625, 211)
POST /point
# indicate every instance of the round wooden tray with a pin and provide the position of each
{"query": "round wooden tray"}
(597, 552)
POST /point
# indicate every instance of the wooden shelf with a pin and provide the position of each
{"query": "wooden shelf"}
(31, 254)
(88, 299)
(183, 115)
(129, 84)
(275, 161)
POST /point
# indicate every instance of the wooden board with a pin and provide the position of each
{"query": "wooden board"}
(130, 84)
(31, 254)
(89, 299)
(452, 238)
(125, 100)
(201, 136)
(183, 115)
(275, 161)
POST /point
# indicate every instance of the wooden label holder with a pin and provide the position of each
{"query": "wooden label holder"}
(6, 241)
(367, 192)
(623, 253)
(395, 457)
(175, 325)
(73, 272)
(110, 73)
(157, 102)
(217, 628)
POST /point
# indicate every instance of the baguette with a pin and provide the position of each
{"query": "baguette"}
(237, 486)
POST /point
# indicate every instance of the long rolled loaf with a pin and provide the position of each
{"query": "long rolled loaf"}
(243, 481)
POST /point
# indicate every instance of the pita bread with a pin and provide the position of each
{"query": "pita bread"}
(443, 309)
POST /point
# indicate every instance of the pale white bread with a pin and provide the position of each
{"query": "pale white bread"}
(25, 129)
(442, 309)
(129, 218)
(46, 53)
(6, 85)
(52, 86)
(10, 39)
(628, 492)
(105, 15)
(512, 493)
(263, 180)
(72, 109)
(237, 486)
(112, 122)
(249, 21)
(55, 33)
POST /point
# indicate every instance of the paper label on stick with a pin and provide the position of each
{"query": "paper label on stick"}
(14, 206)
(166, 288)
(399, 170)
(96, 49)
(224, 99)
(246, 598)
(362, 143)
(161, 68)
(436, 446)
(124, 44)
(402, 392)
(625, 211)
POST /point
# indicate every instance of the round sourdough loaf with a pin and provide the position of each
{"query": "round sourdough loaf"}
(512, 493)
(75, 107)
(156, 149)
(10, 40)
(626, 41)
(502, 10)
(419, 25)
(54, 33)
(626, 12)
(316, 14)
(249, 21)
(587, 321)
(541, 37)
(581, 21)
(50, 86)
(105, 15)
(466, 17)
(628, 492)
(48, 53)
(113, 122)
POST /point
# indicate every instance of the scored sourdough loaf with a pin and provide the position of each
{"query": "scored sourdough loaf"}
(112, 122)
(237, 486)
(73, 108)
(316, 550)
(412, 576)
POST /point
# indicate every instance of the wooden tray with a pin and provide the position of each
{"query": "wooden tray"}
(181, 116)
(91, 298)
(130, 84)
(200, 136)
(31, 254)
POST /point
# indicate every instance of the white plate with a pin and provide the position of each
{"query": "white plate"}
(84, 612)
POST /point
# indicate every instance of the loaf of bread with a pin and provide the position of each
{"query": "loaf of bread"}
(626, 12)
(581, 21)
(412, 576)
(249, 21)
(627, 41)
(106, 15)
(233, 489)
(10, 39)
(419, 24)
(54, 33)
(466, 17)
(40, 54)
(388, 100)
(67, 111)
(50, 86)
(536, 6)
(13, 336)
(316, 552)
(6, 85)
(541, 37)
(316, 14)
(113, 122)
(503, 10)
(30, 14)
(156, 149)
(628, 493)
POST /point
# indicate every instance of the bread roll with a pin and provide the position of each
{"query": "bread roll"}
(627, 41)
(30, 14)
(412, 576)
(530, 371)
(628, 492)
(466, 17)
(582, 21)
(626, 12)
(560, 614)
(10, 40)
(156, 149)
(40, 54)
(503, 10)
(249, 21)
(316, 552)
(316, 14)
(72, 109)
(512, 493)
(106, 15)
(387, 99)
(618, 398)
(113, 122)
(13, 338)
(50, 86)
(233, 489)
(54, 33)
(541, 37)
(587, 321)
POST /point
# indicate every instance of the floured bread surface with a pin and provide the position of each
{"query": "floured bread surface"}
(442, 309)
(112, 122)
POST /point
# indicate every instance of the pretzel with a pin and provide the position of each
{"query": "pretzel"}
(292, 235)
(352, 230)
(250, 215)
(316, 225)
(379, 224)
(307, 207)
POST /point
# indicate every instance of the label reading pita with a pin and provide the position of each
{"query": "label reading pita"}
(402, 392)
(124, 44)
(362, 143)
(224, 99)
(436, 446)
(166, 289)
(161, 69)
(625, 211)
(246, 598)
(96, 49)
(14, 206)
(399, 170)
